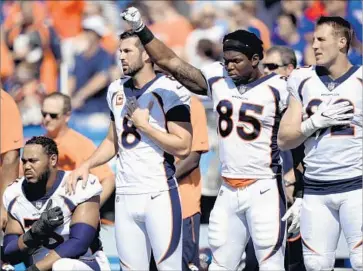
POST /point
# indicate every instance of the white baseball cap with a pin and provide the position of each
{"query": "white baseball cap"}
(95, 23)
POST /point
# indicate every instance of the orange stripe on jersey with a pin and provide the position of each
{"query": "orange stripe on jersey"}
(309, 247)
(238, 183)
(358, 244)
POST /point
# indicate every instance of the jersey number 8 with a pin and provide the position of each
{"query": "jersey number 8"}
(225, 122)
(129, 137)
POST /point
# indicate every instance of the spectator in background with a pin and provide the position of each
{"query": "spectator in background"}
(241, 18)
(305, 26)
(208, 30)
(165, 18)
(89, 78)
(73, 147)
(33, 41)
(287, 35)
(11, 141)
(27, 91)
(7, 63)
(280, 60)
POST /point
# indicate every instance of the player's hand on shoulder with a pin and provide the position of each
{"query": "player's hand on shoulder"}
(133, 17)
(80, 173)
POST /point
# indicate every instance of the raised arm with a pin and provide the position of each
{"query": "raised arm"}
(191, 77)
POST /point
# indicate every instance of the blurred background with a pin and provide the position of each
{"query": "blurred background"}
(72, 47)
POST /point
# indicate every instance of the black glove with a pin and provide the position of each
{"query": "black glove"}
(32, 268)
(45, 225)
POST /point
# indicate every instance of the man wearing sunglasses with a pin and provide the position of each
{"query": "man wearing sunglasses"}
(73, 147)
(280, 60)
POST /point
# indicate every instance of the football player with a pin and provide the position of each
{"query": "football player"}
(249, 105)
(329, 97)
(150, 125)
(47, 229)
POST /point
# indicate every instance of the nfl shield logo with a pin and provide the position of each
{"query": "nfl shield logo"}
(38, 204)
(119, 99)
(331, 86)
(242, 89)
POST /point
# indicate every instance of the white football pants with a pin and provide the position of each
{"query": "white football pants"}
(255, 211)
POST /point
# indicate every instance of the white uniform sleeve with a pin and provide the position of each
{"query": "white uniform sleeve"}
(212, 73)
(284, 95)
(174, 95)
(93, 188)
(293, 83)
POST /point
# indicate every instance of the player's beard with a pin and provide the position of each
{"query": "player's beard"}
(34, 191)
(134, 70)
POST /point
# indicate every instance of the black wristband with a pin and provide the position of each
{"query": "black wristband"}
(145, 35)
(32, 268)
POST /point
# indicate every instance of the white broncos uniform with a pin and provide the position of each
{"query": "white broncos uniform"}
(333, 177)
(148, 211)
(27, 212)
(251, 201)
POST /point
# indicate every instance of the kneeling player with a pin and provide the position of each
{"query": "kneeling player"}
(47, 229)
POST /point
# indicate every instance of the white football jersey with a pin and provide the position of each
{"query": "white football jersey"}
(332, 153)
(27, 212)
(142, 166)
(248, 120)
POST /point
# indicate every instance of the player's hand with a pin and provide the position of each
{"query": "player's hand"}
(49, 220)
(332, 114)
(81, 173)
(133, 17)
(138, 116)
(293, 215)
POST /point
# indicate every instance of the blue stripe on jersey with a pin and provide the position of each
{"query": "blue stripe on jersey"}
(11, 204)
(131, 91)
(44, 198)
(258, 81)
(282, 209)
(275, 151)
(212, 80)
(318, 187)
(168, 158)
(169, 165)
(177, 222)
(301, 86)
(326, 79)
(69, 204)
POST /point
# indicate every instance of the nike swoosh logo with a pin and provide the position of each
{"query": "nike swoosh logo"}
(16, 141)
(153, 197)
(263, 192)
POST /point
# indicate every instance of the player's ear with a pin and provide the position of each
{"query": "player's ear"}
(68, 116)
(342, 42)
(255, 59)
(53, 160)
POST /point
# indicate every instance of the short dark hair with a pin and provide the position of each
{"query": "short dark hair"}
(287, 54)
(342, 27)
(67, 104)
(131, 34)
(48, 144)
(244, 41)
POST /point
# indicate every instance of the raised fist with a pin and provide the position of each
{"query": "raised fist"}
(133, 17)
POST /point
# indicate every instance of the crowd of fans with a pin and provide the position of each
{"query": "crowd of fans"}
(71, 46)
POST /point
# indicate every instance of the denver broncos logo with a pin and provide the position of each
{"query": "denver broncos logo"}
(119, 99)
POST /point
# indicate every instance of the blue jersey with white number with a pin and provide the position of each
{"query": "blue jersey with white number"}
(248, 119)
(142, 165)
(333, 156)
